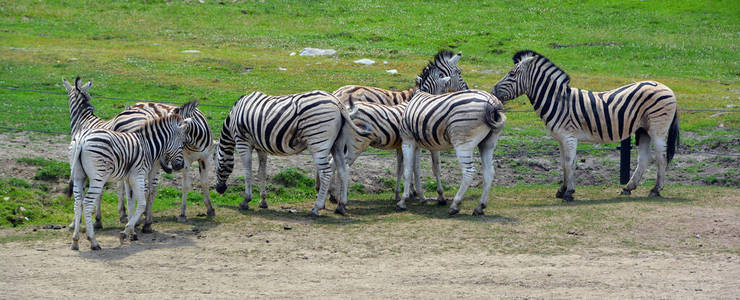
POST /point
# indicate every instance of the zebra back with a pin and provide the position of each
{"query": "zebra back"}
(198, 132)
(358, 93)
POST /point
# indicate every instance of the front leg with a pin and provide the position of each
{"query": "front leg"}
(245, 151)
(568, 157)
(435, 168)
(417, 175)
(183, 217)
(262, 156)
(151, 195)
(399, 174)
(139, 187)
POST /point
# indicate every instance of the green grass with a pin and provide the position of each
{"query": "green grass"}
(48, 169)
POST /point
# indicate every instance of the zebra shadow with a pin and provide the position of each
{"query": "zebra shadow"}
(112, 250)
(295, 213)
(612, 200)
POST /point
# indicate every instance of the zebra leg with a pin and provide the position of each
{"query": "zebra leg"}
(486, 157)
(183, 217)
(643, 158)
(122, 202)
(568, 153)
(561, 190)
(94, 192)
(262, 156)
(408, 148)
(419, 191)
(441, 201)
(342, 176)
(77, 189)
(98, 214)
(465, 157)
(659, 145)
(399, 173)
(139, 186)
(151, 195)
(203, 166)
(246, 153)
(321, 160)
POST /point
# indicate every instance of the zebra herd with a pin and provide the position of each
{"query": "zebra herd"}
(439, 113)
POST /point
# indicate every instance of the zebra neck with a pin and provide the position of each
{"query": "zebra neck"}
(552, 103)
(81, 114)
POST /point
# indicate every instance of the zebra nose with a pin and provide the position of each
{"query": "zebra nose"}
(177, 165)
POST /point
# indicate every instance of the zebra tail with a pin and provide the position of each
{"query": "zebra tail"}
(495, 117)
(673, 137)
(74, 154)
(348, 120)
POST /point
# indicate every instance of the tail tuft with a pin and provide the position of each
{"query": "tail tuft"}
(495, 117)
(673, 138)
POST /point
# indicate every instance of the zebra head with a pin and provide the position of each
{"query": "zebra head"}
(446, 61)
(224, 156)
(432, 80)
(529, 67)
(173, 146)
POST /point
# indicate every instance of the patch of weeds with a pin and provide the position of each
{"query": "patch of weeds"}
(387, 182)
(357, 188)
(48, 169)
(294, 177)
(430, 185)
(168, 176)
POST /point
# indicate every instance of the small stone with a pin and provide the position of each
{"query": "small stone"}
(6, 198)
(196, 230)
(698, 290)
(22, 208)
(200, 215)
(244, 12)
(267, 241)
(549, 275)
(365, 61)
(42, 249)
(697, 236)
(482, 263)
(176, 202)
(190, 51)
(282, 69)
(317, 52)
(292, 53)
(392, 71)
(292, 211)
(57, 227)
(250, 235)
(286, 227)
(48, 226)
(385, 62)
(34, 230)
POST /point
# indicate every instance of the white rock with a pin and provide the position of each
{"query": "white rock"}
(385, 62)
(392, 71)
(365, 61)
(292, 53)
(282, 69)
(190, 51)
(317, 52)
(6, 198)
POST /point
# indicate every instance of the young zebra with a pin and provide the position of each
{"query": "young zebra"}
(287, 125)
(198, 147)
(646, 109)
(103, 155)
(444, 60)
(460, 120)
(441, 69)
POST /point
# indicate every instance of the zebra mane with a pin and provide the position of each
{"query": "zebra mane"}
(442, 57)
(524, 54)
(165, 119)
(85, 101)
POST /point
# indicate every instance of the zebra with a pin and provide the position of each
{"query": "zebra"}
(199, 147)
(461, 120)
(444, 60)
(441, 69)
(647, 109)
(287, 125)
(103, 155)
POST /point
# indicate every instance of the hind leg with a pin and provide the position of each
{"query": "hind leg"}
(486, 156)
(321, 160)
(643, 158)
(435, 168)
(399, 174)
(418, 189)
(94, 192)
(262, 173)
(408, 148)
(139, 186)
(183, 217)
(659, 145)
(123, 217)
(340, 165)
(77, 189)
(204, 165)
(245, 151)
(465, 157)
(151, 195)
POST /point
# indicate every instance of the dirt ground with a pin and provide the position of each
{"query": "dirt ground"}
(272, 255)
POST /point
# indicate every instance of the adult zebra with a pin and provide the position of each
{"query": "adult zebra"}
(460, 120)
(287, 125)
(646, 109)
(104, 155)
(384, 124)
(441, 69)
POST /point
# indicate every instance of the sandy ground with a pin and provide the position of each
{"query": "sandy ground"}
(256, 257)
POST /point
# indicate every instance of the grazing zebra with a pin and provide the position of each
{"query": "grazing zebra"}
(445, 61)
(198, 147)
(460, 120)
(287, 125)
(103, 155)
(441, 69)
(646, 108)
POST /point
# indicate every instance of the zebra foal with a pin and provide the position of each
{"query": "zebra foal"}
(287, 125)
(647, 109)
(103, 155)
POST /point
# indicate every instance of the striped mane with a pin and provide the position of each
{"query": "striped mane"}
(542, 60)
(442, 57)
(154, 122)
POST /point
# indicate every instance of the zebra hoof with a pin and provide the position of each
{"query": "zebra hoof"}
(98, 224)
(75, 246)
(453, 211)
(400, 208)
(263, 205)
(340, 210)
(134, 237)
(122, 237)
(559, 194)
(211, 212)
(147, 228)
(123, 220)
(244, 205)
(332, 199)
(654, 193)
(625, 192)
(478, 212)
(182, 219)
(312, 214)
(95, 248)
(568, 197)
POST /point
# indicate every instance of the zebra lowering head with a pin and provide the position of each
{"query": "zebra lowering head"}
(173, 146)
(446, 62)
(527, 66)
(432, 80)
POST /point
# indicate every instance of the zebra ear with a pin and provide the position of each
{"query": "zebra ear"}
(87, 86)
(455, 58)
(187, 109)
(418, 81)
(67, 85)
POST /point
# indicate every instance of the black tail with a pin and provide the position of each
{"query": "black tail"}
(673, 138)
(68, 190)
(495, 117)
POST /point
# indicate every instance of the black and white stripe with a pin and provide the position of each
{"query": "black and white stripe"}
(103, 155)
(460, 120)
(646, 108)
(287, 125)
